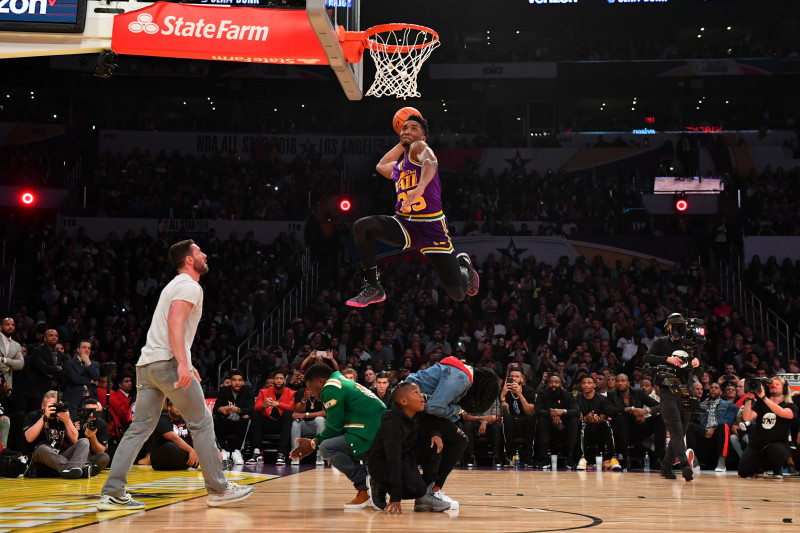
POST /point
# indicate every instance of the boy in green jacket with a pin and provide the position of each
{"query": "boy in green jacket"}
(353, 414)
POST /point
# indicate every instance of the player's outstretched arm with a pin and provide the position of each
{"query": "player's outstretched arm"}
(386, 164)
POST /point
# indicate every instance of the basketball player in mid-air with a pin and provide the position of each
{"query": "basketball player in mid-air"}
(418, 221)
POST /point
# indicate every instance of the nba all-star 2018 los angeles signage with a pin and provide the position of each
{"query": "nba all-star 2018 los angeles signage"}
(219, 33)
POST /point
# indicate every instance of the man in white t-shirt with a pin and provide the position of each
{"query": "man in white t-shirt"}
(164, 370)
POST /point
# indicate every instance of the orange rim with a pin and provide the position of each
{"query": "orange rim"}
(374, 45)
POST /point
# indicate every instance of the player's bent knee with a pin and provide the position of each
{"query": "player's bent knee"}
(361, 228)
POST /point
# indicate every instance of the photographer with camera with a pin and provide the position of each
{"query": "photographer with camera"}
(53, 440)
(770, 416)
(674, 386)
(95, 429)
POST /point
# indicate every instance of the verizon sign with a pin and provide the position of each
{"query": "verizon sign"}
(246, 34)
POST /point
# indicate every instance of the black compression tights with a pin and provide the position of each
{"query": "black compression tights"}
(386, 229)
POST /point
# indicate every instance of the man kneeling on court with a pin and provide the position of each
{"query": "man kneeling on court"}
(170, 444)
(353, 416)
(393, 461)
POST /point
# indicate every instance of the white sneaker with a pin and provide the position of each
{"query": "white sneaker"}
(226, 455)
(446, 498)
(236, 455)
(126, 503)
(320, 460)
(581, 464)
(233, 493)
(295, 462)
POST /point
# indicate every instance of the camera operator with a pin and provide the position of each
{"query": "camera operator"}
(670, 350)
(53, 440)
(96, 431)
(770, 418)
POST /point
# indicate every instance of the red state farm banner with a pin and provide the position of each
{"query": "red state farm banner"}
(248, 34)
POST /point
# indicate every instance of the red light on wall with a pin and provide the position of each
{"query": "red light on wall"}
(27, 198)
(650, 120)
(681, 205)
(345, 205)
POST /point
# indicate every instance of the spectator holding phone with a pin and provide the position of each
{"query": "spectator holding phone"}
(319, 356)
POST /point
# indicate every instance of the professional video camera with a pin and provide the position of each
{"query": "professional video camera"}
(691, 332)
(667, 376)
(754, 384)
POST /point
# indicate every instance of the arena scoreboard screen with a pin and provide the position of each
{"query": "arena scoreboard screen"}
(52, 16)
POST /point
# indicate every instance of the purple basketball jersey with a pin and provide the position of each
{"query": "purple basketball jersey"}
(406, 175)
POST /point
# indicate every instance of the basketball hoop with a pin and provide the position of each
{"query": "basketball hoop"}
(399, 50)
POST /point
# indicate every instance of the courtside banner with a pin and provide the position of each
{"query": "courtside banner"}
(253, 35)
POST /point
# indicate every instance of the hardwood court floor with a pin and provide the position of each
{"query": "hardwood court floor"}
(493, 501)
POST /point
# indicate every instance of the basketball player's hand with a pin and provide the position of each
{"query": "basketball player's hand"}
(196, 374)
(184, 377)
(410, 199)
(436, 442)
(192, 458)
(303, 448)
(394, 508)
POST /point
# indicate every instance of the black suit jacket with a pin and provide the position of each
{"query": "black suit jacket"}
(638, 399)
(46, 374)
(245, 400)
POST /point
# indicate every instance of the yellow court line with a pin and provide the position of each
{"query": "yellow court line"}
(49, 505)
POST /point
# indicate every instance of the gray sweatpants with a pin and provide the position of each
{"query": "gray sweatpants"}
(154, 382)
(72, 457)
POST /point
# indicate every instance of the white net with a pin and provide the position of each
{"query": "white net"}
(399, 55)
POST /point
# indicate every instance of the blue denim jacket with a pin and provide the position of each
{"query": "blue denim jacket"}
(445, 385)
(726, 413)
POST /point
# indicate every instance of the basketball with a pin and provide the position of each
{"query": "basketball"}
(401, 116)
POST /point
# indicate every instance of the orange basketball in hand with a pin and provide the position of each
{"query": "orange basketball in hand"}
(401, 116)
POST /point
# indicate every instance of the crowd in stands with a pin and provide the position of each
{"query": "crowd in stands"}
(651, 47)
(567, 320)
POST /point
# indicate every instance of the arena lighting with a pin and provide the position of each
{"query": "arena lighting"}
(681, 204)
(27, 198)
(345, 205)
